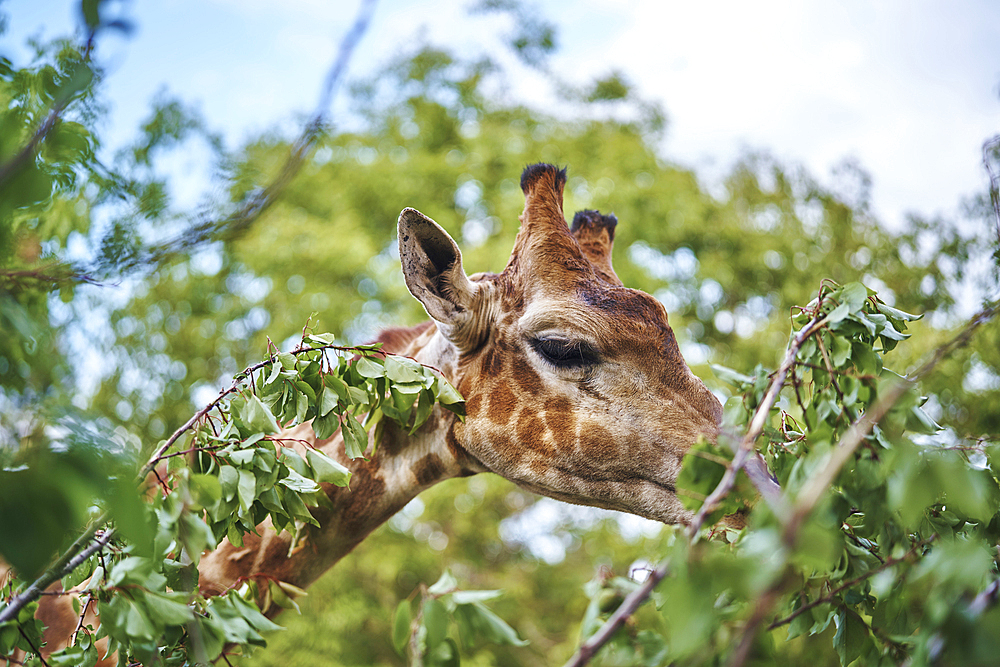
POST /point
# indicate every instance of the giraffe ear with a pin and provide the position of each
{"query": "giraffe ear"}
(432, 268)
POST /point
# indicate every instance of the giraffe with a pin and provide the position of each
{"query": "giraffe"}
(574, 384)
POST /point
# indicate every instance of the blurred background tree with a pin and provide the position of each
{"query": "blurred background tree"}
(430, 132)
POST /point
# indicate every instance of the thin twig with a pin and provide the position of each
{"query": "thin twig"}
(829, 366)
(69, 560)
(237, 383)
(83, 615)
(858, 430)
(57, 571)
(754, 430)
(756, 471)
(262, 198)
(633, 601)
(988, 146)
(34, 649)
(853, 582)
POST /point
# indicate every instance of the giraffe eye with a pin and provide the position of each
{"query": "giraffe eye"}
(565, 353)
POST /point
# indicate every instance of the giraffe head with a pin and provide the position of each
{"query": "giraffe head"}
(575, 387)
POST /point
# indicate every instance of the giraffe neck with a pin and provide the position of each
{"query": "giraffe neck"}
(401, 467)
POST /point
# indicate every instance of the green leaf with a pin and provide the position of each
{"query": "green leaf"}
(327, 470)
(401, 369)
(305, 388)
(449, 397)
(246, 489)
(241, 457)
(734, 378)
(435, 621)
(297, 508)
(401, 627)
(297, 482)
(369, 368)
(195, 535)
(852, 634)
(445, 584)
(329, 399)
(257, 417)
(324, 427)
(274, 375)
(137, 622)
(301, 407)
(339, 387)
(865, 359)
(492, 627)
(896, 314)
(468, 597)
(424, 408)
(229, 479)
(205, 489)
(445, 654)
(293, 461)
(838, 314)
(167, 608)
(888, 331)
(854, 295)
(355, 437)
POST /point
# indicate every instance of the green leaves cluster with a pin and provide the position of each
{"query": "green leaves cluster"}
(890, 564)
(235, 472)
(440, 607)
(298, 388)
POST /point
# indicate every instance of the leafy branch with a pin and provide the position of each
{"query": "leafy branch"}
(853, 313)
(247, 477)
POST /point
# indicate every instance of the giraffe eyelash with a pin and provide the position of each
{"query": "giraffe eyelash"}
(565, 353)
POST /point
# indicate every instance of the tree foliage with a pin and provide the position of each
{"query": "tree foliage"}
(893, 561)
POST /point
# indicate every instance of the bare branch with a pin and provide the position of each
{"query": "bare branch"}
(989, 146)
(54, 274)
(262, 199)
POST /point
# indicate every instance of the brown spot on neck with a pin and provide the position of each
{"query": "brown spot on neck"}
(428, 470)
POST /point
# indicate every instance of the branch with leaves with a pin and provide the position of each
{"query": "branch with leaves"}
(858, 413)
(236, 474)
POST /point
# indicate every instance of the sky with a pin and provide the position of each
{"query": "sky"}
(906, 88)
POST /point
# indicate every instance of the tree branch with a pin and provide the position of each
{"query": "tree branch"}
(66, 564)
(823, 479)
(850, 584)
(988, 146)
(756, 471)
(754, 430)
(629, 605)
(262, 199)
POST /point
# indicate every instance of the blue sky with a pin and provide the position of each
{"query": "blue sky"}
(909, 88)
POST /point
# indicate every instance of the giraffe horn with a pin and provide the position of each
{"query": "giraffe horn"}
(544, 244)
(596, 235)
